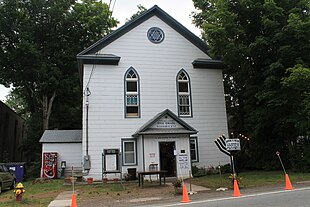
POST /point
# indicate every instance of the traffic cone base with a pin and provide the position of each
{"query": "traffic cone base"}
(73, 203)
(185, 198)
(236, 189)
(288, 184)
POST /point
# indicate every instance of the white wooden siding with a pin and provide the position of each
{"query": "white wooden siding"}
(157, 66)
(69, 152)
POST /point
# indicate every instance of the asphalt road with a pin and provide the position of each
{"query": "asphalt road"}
(293, 198)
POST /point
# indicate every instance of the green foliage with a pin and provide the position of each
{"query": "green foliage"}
(259, 41)
(300, 154)
(33, 170)
(141, 9)
(210, 170)
(298, 85)
(177, 183)
(198, 171)
(38, 45)
(236, 177)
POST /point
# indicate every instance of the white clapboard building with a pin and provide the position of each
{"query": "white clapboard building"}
(153, 100)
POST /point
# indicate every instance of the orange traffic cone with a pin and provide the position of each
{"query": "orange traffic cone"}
(185, 198)
(288, 184)
(73, 203)
(236, 189)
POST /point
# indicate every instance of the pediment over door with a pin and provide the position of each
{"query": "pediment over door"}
(165, 122)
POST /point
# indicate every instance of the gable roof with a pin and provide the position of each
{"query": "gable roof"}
(145, 129)
(89, 56)
(61, 136)
(154, 11)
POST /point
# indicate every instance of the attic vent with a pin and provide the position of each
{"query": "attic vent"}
(155, 35)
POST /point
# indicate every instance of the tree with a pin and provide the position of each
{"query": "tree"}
(298, 86)
(39, 40)
(141, 9)
(258, 41)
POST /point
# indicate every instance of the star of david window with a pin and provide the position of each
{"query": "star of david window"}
(155, 35)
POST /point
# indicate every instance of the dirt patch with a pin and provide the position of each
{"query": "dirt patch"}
(128, 196)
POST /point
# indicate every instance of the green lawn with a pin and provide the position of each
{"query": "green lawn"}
(40, 194)
(250, 179)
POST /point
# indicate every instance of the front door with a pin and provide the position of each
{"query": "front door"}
(167, 158)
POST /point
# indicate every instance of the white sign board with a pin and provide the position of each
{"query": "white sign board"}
(183, 162)
(232, 144)
(111, 163)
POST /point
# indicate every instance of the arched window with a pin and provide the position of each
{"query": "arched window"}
(184, 94)
(132, 96)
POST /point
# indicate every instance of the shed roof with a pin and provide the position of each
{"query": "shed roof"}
(61, 136)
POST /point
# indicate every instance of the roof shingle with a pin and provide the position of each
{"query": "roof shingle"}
(61, 136)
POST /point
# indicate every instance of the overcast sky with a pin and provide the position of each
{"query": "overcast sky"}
(178, 9)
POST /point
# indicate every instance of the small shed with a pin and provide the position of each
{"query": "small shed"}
(67, 144)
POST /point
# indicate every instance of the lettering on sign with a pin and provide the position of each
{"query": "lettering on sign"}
(111, 151)
(166, 124)
(183, 161)
(232, 144)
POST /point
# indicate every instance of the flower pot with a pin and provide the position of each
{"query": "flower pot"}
(70, 180)
(178, 190)
(90, 180)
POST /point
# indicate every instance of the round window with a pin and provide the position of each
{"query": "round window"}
(155, 35)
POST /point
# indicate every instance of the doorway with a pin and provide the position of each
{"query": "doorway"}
(167, 158)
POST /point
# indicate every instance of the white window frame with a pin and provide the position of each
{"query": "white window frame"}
(195, 139)
(132, 93)
(180, 94)
(124, 141)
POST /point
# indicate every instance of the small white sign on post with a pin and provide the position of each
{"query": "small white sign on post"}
(232, 144)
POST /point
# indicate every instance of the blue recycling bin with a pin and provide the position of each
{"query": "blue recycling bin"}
(19, 169)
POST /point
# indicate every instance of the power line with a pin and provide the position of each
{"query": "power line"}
(113, 7)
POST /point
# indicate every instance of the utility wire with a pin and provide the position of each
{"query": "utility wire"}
(86, 89)
(113, 7)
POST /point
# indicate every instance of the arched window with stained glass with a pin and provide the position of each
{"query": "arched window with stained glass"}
(132, 96)
(184, 94)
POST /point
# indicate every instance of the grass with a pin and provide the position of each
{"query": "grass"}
(36, 195)
(41, 194)
(250, 179)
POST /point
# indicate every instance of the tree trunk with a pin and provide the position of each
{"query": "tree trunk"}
(47, 109)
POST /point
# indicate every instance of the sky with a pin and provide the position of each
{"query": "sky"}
(124, 9)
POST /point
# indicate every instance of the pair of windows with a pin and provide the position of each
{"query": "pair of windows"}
(129, 149)
(132, 94)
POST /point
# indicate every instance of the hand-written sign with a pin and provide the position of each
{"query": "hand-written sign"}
(183, 161)
(232, 144)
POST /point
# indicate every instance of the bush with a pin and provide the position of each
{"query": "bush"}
(33, 170)
(225, 168)
(199, 172)
(300, 155)
(177, 183)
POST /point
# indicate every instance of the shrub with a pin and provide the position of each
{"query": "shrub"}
(177, 183)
